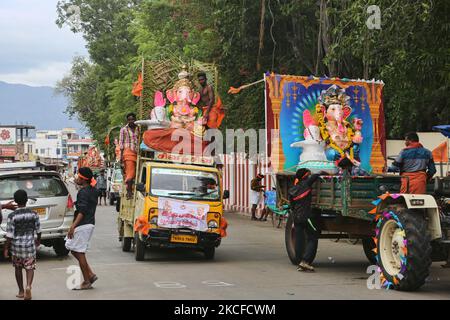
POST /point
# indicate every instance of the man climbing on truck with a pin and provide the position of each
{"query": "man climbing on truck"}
(305, 222)
(416, 164)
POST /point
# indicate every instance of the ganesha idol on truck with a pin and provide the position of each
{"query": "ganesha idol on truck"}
(176, 123)
(331, 139)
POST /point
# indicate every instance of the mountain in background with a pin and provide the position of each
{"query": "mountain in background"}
(37, 106)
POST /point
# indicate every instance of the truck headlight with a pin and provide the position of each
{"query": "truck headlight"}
(154, 220)
(213, 224)
(417, 202)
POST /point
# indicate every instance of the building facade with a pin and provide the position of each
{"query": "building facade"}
(15, 143)
(60, 146)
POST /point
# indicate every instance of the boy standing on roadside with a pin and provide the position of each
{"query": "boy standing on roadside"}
(23, 224)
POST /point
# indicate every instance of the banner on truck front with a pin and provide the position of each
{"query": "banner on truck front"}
(182, 214)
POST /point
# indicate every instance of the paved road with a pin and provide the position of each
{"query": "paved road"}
(250, 264)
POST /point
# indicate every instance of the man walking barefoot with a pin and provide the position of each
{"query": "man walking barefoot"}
(23, 224)
(82, 228)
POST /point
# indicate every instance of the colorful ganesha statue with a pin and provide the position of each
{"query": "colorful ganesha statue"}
(183, 112)
(342, 137)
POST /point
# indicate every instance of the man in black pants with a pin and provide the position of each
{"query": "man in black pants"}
(304, 221)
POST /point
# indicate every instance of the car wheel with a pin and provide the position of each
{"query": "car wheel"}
(59, 245)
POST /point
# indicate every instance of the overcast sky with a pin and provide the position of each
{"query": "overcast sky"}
(33, 50)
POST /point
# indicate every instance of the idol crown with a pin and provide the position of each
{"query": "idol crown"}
(334, 95)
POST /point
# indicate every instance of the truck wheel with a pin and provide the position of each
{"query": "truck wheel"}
(139, 248)
(209, 253)
(118, 205)
(289, 240)
(403, 249)
(59, 245)
(368, 246)
(126, 244)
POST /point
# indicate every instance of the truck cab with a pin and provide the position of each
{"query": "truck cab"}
(177, 203)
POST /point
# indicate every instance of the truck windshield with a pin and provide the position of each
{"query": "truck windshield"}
(186, 184)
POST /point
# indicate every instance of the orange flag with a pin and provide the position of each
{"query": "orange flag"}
(138, 86)
(440, 153)
(107, 140)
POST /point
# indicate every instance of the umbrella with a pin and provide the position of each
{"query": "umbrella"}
(444, 129)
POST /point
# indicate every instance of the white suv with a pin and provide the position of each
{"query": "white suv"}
(48, 196)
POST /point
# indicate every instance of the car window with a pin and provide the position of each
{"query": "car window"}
(36, 186)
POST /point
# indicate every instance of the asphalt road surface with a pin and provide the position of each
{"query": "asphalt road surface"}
(251, 264)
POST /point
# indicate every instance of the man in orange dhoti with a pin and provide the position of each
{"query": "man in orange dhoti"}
(213, 113)
(129, 147)
(415, 164)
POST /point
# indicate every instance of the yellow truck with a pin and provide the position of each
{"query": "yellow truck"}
(177, 203)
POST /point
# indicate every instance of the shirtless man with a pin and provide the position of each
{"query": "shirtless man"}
(206, 95)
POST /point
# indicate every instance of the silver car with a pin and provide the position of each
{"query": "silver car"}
(48, 196)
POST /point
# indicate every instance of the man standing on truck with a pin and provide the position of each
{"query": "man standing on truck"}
(206, 96)
(129, 147)
(305, 222)
(256, 194)
(416, 164)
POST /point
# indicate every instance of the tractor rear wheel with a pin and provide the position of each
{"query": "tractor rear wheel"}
(403, 249)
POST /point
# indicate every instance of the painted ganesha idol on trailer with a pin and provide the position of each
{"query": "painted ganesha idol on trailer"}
(332, 136)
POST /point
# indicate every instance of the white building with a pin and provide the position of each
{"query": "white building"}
(60, 145)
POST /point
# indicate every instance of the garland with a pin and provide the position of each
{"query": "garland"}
(326, 136)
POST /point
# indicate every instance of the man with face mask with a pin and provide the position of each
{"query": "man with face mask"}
(129, 146)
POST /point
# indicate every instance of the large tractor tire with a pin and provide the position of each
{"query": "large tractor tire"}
(369, 245)
(289, 240)
(139, 248)
(403, 249)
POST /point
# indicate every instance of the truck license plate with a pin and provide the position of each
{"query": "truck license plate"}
(40, 211)
(183, 238)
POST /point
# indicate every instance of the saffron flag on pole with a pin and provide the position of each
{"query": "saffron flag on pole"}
(138, 86)
(440, 153)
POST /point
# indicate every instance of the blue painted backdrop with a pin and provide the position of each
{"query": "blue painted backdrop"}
(298, 98)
